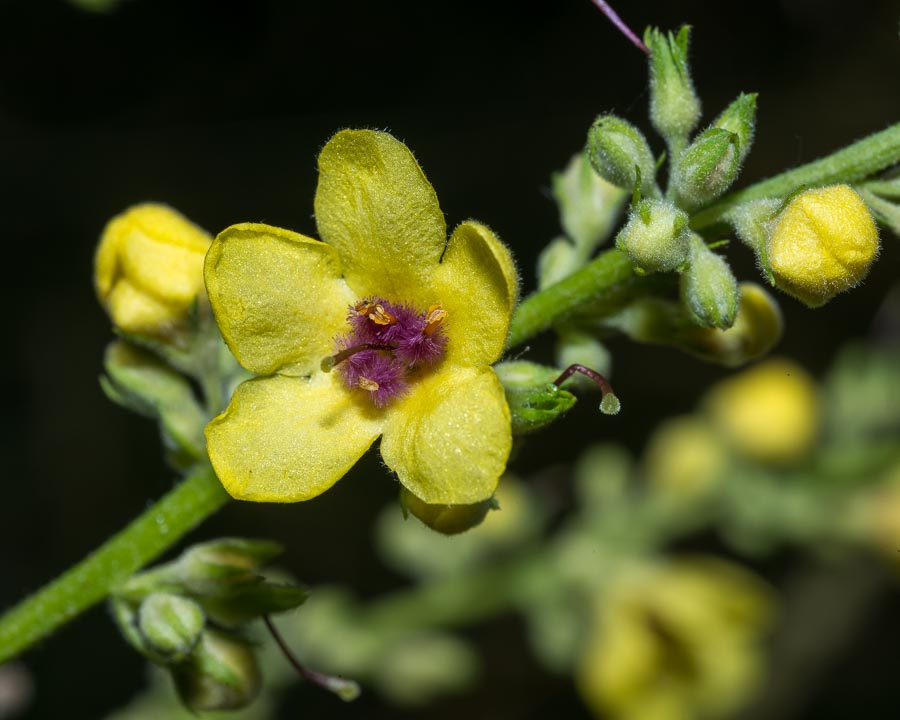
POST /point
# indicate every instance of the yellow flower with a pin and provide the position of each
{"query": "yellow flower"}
(676, 641)
(684, 458)
(148, 270)
(821, 244)
(285, 302)
(769, 413)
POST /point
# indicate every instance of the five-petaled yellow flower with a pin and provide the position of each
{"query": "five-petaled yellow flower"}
(385, 329)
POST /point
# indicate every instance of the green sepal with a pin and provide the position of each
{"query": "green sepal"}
(886, 212)
(534, 401)
(709, 289)
(706, 168)
(674, 105)
(251, 600)
(740, 118)
(140, 382)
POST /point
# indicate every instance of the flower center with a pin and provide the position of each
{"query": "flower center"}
(386, 343)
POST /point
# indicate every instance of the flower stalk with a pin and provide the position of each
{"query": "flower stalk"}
(91, 580)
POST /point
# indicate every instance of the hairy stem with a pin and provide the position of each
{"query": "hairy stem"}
(546, 307)
(91, 580)
(850, 164)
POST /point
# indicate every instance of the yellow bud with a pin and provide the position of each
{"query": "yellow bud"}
(148, 269)
(769, 413)
(821, 244)
(684, 458)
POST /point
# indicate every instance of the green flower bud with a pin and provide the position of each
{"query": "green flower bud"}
(656, 237)
(533, 399)
(674, 106)
(140, 382)
(221, 674)
(619, 152)
(707, 168)
(708, 288)
(170, 626)
(740, 118)
(558, 260)
(446, 519)
(588, 205)
(216, 567)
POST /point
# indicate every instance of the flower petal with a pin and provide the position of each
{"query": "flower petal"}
(477, 285)
(450, 439)
(277, 296)
(377, 209)
(286, 439)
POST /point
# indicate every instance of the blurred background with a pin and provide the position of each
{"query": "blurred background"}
(220, 107)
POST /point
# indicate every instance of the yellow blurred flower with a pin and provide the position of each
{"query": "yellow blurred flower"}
(684, 457)
(285, 302)
(822, 243)
(676, 641)
(148, 269)
(875, 515)
(768, 413)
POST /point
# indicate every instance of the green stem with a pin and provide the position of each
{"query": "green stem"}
(850, 164)
(91, 580)
(545, 308)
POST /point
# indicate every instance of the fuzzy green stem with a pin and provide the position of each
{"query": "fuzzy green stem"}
(545, 308)
(91, 580)
(850, 164)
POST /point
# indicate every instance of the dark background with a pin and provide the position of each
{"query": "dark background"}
(220, 107)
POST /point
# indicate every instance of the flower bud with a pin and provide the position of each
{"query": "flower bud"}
(215, 567)
(619, 153)
(707, 167)
(148, 270)
(822, 243)
(141, 382)
(656, 237)
(533, 399)
(740, 119)
(708, 288)
(756, 330)
(674, 106)
(446, 519)
(768, 413)
(221, 674)
(558, 260)
(588, 205)
(170, 625)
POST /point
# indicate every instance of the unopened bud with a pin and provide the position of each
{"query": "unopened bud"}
(588, 205)
(558, 260)
(619, 152)
(213, 568)
(170, 625)
(656, 237)
(446, 519)
(221, 674)
(708, 287)
(148, 270)
(674, 106)
(823, 243)
(707, 168)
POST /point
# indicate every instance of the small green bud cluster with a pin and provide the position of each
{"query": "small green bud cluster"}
(657, 237)
(189, 616)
